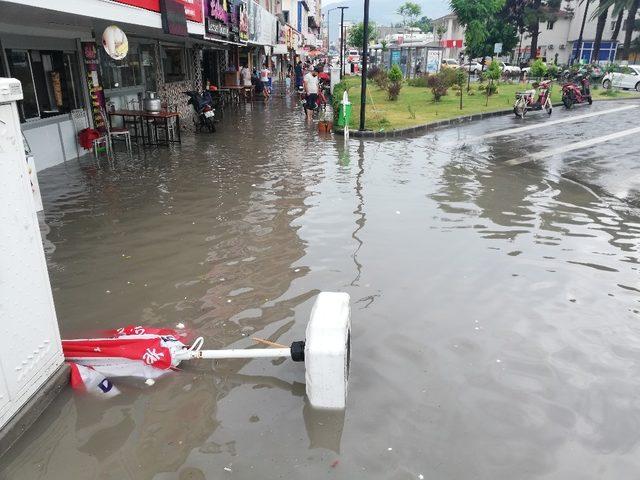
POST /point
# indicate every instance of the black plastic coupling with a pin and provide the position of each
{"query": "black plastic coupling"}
(297, 351)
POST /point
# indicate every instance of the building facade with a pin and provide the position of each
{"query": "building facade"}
(56, 50)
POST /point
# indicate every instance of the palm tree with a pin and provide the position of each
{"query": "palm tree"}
(602, 21)
(631, 6)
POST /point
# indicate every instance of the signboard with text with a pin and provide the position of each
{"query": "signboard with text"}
(192, 8)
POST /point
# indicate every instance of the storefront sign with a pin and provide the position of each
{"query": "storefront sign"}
(174, 20)
(216, 28)
(115, 42)
(243, 20)
(91, 62)
(192, 8)
(234, 21)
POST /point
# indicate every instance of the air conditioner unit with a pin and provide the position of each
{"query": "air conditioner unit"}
(562, 47)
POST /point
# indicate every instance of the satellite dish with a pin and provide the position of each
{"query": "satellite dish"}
(115, 42)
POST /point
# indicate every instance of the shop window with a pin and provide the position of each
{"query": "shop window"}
(20, 68)
(148, 62)
(50, 82)
(174, 64)
(123, 73)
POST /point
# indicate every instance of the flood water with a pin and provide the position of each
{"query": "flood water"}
(495, 309)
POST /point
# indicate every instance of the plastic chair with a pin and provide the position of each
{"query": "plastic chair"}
(81, 122)
(117, 133)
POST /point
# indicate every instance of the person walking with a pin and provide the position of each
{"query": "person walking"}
(311, 90)
(265, 75)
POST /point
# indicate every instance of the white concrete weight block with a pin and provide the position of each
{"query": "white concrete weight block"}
(327, 351)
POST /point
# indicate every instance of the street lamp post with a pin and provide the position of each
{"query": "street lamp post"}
(342, 9)
(365, 58)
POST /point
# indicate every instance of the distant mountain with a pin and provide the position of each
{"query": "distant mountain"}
(383, 12)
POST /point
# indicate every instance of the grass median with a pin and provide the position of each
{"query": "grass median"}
(415, 105)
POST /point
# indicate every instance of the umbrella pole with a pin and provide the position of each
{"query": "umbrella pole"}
(237, 353)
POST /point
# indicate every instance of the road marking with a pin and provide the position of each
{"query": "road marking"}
(571, 146)
(552, 122)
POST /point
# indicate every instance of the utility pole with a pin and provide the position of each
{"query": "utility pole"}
(365, 55)
(579, 42)
(342, 9)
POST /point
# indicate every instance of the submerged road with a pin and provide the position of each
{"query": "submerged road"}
(494, 275)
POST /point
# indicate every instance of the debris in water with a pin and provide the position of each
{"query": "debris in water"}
(150, 382)
(389, 449)
(397, 212)
(108, 292)
(420, 476)
(180, 325)
(227, 469)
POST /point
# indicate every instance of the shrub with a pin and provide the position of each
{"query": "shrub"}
(448, 76)
(437, 85)
(553, 71)
(381, 79)
(491, 89)
(372, 72)
(394, 90)
(395, 74)
(419, 81)
(538, 69)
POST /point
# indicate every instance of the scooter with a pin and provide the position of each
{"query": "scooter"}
(573, 93)
(525, 100)
(202, 104)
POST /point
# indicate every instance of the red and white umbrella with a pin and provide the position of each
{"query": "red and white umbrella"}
(148, 353)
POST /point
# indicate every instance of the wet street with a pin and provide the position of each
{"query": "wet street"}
(495, 301)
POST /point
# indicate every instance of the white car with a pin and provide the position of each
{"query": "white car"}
(450, 63)
(474, 67)
(627, 77)
(509, 69)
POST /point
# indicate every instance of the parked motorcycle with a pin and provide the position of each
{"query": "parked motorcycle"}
(202, 104)
(525, 101)
(578, 91)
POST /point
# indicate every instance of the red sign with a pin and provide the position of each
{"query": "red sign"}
(192, 8)
(451, 43)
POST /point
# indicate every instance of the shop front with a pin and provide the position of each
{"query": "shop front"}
(47, 63)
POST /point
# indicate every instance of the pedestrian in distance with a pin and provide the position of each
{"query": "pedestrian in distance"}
(265, 75)
(299, 74)
(245, 76)
(311, 91)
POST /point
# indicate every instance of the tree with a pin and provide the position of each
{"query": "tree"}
(441, 29)
(601, 14)
(356, 34)
(409, 12)
(619, 6)
(484, 26)
(629, 24)
(424, 24)
(536, 12)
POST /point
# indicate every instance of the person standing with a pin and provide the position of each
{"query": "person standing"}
(311, 90)
(298, 73)
(265, 75)
(245, 76)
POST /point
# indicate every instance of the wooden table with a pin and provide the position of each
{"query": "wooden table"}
(234, 91)
(142, 116)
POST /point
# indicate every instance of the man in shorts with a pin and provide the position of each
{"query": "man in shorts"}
(311, 90)
(265, 75)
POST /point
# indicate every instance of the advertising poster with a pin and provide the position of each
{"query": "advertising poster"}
(434, 57)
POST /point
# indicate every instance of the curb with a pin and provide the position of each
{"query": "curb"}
(35, 406)
(428, 127)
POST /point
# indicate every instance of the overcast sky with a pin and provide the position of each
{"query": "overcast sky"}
(383, 11)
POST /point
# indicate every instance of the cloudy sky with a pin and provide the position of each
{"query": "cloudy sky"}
(382, 12)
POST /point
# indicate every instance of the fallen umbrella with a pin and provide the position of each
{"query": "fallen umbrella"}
(150, 353)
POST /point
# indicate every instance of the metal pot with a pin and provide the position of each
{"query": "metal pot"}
(152, 103)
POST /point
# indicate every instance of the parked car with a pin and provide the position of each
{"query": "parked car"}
(627, 77)
(474, 67)
(450, 63)
(508, 69)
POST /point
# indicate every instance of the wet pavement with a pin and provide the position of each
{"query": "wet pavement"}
(494, 306)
